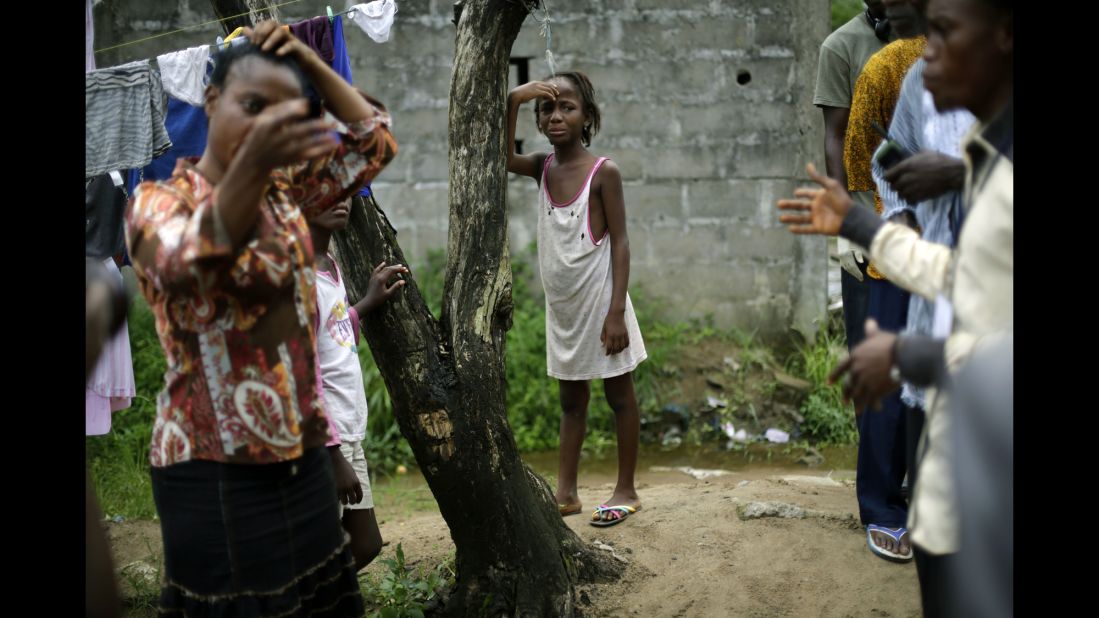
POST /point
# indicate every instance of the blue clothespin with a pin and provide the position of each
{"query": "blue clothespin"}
(331, 17)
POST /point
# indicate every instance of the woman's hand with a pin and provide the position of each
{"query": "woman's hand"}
(271, 37)
(283, 134)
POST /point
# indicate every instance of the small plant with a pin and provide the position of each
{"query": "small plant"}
(403, 593)
(143, 581)
(827, 418)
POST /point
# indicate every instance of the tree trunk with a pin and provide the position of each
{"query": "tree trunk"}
(515, 555)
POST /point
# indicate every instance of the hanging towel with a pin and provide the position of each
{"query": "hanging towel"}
(317, 34)
(124, 109)
(104, 205)
(187, 126)
(375, 18)
(183, 74)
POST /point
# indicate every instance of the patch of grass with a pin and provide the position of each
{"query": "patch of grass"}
(827, 418)
(402, 592)
(119, 460)
(142, 585)
(401, 499)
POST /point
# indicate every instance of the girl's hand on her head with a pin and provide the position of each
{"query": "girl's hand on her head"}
(534, 90)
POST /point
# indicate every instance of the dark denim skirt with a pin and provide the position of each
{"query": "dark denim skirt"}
(254, 540)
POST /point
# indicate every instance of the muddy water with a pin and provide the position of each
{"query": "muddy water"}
(657, 466)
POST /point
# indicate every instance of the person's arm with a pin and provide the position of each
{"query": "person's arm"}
(883, 359)
(349, 489)
(921, 360)
(916, 265)
(327, 178)
(185, 245)
(919, 266)
(614, 336)
(525, 164)
(340, 97)
(925, 175)
(276, 139)
(832, 93)
(835, 127)
(180, 244)
(894, 207)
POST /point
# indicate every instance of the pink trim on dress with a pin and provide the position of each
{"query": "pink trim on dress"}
(608, 230)
(545, 184)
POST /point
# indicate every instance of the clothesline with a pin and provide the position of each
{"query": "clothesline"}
(185, 28)
(215, 21)
(135, 140)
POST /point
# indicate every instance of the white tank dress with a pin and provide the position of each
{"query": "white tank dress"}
(577, 278)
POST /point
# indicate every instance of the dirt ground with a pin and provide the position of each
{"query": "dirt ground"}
(687, 552)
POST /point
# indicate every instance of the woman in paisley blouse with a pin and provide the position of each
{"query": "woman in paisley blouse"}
(222, 251)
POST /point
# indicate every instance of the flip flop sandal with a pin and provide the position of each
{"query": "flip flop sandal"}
(896, 534)
(622, 511)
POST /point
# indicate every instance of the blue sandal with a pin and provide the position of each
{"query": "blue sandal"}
(896, 534)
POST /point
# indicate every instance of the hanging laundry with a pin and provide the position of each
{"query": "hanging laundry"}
(187, 126)
(342, 64)
(183, 74)
(104, 206)
(89, 37)
(375, 18)
(111, 386)
(317, 34)
(124, 110)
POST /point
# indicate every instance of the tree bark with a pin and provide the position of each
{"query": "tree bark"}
(446, 378)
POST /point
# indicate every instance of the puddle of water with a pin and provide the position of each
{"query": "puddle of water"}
(755, 461)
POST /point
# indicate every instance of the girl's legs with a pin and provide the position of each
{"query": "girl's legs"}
(627, 419)
(574, 424)
(366, 538)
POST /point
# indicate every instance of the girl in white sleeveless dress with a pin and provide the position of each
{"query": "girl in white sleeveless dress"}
(583, 255)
